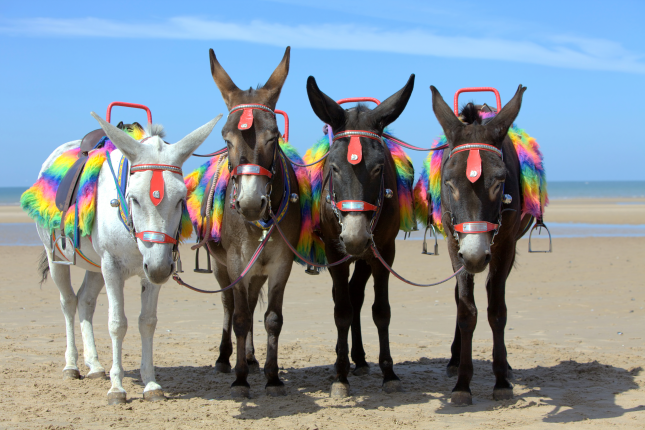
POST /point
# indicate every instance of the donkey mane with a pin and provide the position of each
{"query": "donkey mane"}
(155, 130)
(470, 114)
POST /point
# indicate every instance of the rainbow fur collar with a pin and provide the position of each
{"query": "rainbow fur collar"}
(39, 201)
(532, 180)
(404, 181)
(198, 180)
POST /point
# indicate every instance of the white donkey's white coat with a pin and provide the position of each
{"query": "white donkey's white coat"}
(119, 256)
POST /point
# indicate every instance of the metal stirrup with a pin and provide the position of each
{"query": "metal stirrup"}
(539, 224)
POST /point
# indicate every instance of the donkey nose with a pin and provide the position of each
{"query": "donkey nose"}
(250, 210)
(487, 258)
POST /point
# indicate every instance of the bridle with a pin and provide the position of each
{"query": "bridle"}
(473, 173)
(354, 156)
(246, 123)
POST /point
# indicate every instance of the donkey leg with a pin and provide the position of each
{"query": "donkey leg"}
(361, 275)
(117, 325)
(455, 349)
(467, 321)
(255, 287)
(381, 314)
(223, 364)
(343, 319)
(273, 324)
(240, 388)
(87, 295)
(147, 325)
(497, 314)
(68, 301)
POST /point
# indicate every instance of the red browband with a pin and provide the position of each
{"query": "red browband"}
(355, 149)
(474, 162)
(156, 182)
(246, 119)
(475, 227)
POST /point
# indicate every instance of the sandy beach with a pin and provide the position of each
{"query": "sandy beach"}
(575, 340)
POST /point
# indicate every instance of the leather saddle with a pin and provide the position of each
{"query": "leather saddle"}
(68, 188)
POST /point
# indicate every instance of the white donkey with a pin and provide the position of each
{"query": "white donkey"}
(149, 256)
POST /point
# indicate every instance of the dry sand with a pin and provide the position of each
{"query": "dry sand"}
(574, 337)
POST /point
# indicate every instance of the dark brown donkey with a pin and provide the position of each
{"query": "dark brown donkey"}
(254, 145)
(467, 201)
(359, 173)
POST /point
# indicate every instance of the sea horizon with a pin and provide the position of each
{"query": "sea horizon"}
(558, 190)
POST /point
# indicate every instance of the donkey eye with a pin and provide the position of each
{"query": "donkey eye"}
(134, 201)
(335, 169)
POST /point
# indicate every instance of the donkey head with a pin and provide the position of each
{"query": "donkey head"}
(158, 216)
(256, 144)
(360, 181)
(469, 201)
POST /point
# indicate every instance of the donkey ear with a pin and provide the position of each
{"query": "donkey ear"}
(276, 81)
(324, 107)
(222, 79)
(122, 140)
(186, 146)
(388, 111)
(446, 117)
(505, 118)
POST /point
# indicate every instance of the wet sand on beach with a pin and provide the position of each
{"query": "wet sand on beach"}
(575, 338)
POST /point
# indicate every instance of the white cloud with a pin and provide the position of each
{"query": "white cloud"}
(559, 51)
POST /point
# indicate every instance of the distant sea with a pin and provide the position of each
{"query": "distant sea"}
(557, 190)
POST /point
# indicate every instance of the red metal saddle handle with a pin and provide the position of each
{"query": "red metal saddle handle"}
(477, 90)
(285, 136)
(359, 99)
(131, 105)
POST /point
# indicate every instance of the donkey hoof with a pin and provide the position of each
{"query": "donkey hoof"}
(117, 398)
(254, 367)
(276, 390)
(461, 398)
(503, 393)
(452, 371)
(69, 374)
(97, 375)
(240, 392)
(222, 368)
(361, 371)
(153, 395)
(393, 386)
(339, 389)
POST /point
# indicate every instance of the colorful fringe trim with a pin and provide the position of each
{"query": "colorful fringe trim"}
(532, 180)
(39, 201)
(198, 181)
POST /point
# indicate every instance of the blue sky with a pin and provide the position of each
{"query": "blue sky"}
(582, 61)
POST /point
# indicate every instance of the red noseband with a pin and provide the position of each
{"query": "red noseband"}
(252, 169)
(354, 206)
(475, 227)
(154, 237)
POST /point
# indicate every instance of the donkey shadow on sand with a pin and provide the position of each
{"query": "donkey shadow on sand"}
(569, 391)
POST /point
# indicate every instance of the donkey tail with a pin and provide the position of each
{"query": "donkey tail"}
(43, 267)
